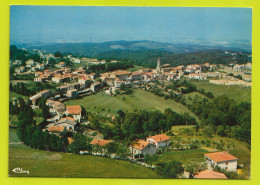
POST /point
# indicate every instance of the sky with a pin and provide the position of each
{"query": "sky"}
(99, 24)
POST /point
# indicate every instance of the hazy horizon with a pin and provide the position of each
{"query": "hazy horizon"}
(79, 24)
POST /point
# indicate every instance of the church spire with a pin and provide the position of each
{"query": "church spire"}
(158, 68)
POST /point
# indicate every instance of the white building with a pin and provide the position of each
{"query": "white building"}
(223, 160)
(161, 140)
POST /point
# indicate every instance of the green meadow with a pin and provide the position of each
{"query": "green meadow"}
(57, 164)
(236, 92)
(139, 100)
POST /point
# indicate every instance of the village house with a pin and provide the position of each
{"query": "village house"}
(64, 88)
(100, 142)
(38, 73)
(159, 141)
(209, 174)
(214, 74)
(238, 67)
(75, 60)
(74, 111)
(40, 66)
(35, 98)
(223, 160)
(136, 76)
(193, 68)
(20, 69)
(142, 147)
(95, 86)
(41, 79)
(247, 78)
(61, 64)
(30, 63)
(57, 79)
(56, 129)
(114, 61)
(68, 123)
(249, 65)
(73, 93)
(197, 76)
(122, 74)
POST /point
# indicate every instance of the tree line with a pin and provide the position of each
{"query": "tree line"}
(224, 117)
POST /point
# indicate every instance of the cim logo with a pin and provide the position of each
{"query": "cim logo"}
(19, 170)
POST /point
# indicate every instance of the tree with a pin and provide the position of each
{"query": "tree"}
(53, 142)
(79, 143)
(150, 159)
(83, 111)
(194, 167)
(111, 148)
(122, 152)
(169, 169)
(57, 54)
(37, 138)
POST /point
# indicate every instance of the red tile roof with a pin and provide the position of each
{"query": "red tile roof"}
(140, 144)
(159, 138)
(74, 109)
(56, 129)
(100, 142)
(208, 174)
(220, 156)
(67, 118)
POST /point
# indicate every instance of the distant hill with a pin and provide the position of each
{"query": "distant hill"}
(94, 49)
(149, 57)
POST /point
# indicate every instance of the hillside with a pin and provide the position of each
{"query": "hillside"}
(141, 99)
(57, 164)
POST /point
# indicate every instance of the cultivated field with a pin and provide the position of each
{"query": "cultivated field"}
(141, 99)
(238, 93)
(57, 164)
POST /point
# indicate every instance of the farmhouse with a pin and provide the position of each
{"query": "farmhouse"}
(68, 123)
(143, 147)
(161, 140)
(208, 174)
(223, 160)
(74, 111)
(100, 142)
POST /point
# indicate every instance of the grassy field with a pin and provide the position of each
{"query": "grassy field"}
(13, 136)
(135, 68)
(185, 156)
(192, 95)
(15, 95)
(141, 99)
(238, 93)
(54, 164)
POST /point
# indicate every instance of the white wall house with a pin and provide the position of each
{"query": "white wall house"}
(159, 141)
(223, 160)
(143, 147)
(74, 111)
